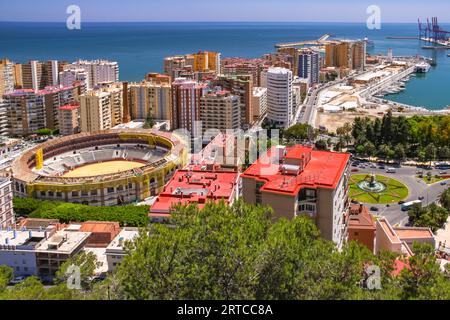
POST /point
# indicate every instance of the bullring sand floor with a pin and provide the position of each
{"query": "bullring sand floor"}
(101, 168)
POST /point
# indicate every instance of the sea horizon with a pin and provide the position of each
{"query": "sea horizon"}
(140, 47)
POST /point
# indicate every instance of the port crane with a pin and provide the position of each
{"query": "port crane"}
(432, 31)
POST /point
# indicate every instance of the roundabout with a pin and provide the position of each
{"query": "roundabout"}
(377, 189)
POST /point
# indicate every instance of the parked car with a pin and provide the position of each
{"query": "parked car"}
(373, 166)
(442, 172)
(381, 167)
(17, 280)
(355, 170)
(374, 209)
(421, 198)
(443, 183)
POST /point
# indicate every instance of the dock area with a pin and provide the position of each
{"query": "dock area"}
(317, 42)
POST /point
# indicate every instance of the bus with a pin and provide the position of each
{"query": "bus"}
(408, 205)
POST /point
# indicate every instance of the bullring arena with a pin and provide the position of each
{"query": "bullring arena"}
(105, 168)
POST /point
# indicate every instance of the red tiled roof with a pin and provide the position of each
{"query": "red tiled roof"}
(323, 170)
(195, 187)
(69, 107)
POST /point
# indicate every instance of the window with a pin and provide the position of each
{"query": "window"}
(110, 189)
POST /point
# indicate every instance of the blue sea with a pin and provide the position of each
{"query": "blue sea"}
(140, 47)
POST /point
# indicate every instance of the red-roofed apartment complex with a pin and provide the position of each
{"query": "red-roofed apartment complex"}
(195, 185)
(299, 180)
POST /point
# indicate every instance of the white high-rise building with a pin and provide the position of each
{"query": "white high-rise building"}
(72, 74)
(279, 96)
(99, 71)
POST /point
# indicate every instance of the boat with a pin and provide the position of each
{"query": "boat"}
(423, 67)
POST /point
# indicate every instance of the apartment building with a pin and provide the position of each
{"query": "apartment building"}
(72, 75)
(301, 181)
(207, 61)
(116, 91)
(68, 118)
(56, 248)
(186, 95)
(26, 112)
(95, 111)
(54, 97)
(280, 107)
(259, 103)
(219, 109)
(17, 250)
(99, 71)
(196, 185)
(37, 75)
(241, 86)
(308, 66)
(346, 54)
(7, 218)
(116, 250)
(6, 77)
(174, 66)
(400, 239)
(243, 66)
(4, 125)
(150, 97)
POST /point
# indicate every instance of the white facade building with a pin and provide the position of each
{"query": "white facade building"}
(259, 102)
(71, 75)
(279, 96)
(115, 251)
(99, 71)
(17, 250)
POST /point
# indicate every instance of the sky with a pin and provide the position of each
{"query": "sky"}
(223, 10)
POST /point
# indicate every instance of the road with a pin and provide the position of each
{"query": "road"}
(417, 188)
(306, 113)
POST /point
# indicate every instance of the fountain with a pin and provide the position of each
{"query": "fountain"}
(372, 185)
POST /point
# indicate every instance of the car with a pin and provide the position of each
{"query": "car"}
(391, 170)
(17, 280)
(443, 183)
(354, 201)
(401, 202)
(373, 166)
(421, 198)
(355, 170)
(442, 172)
(419, 172)
(374, 209)
(381, 167)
